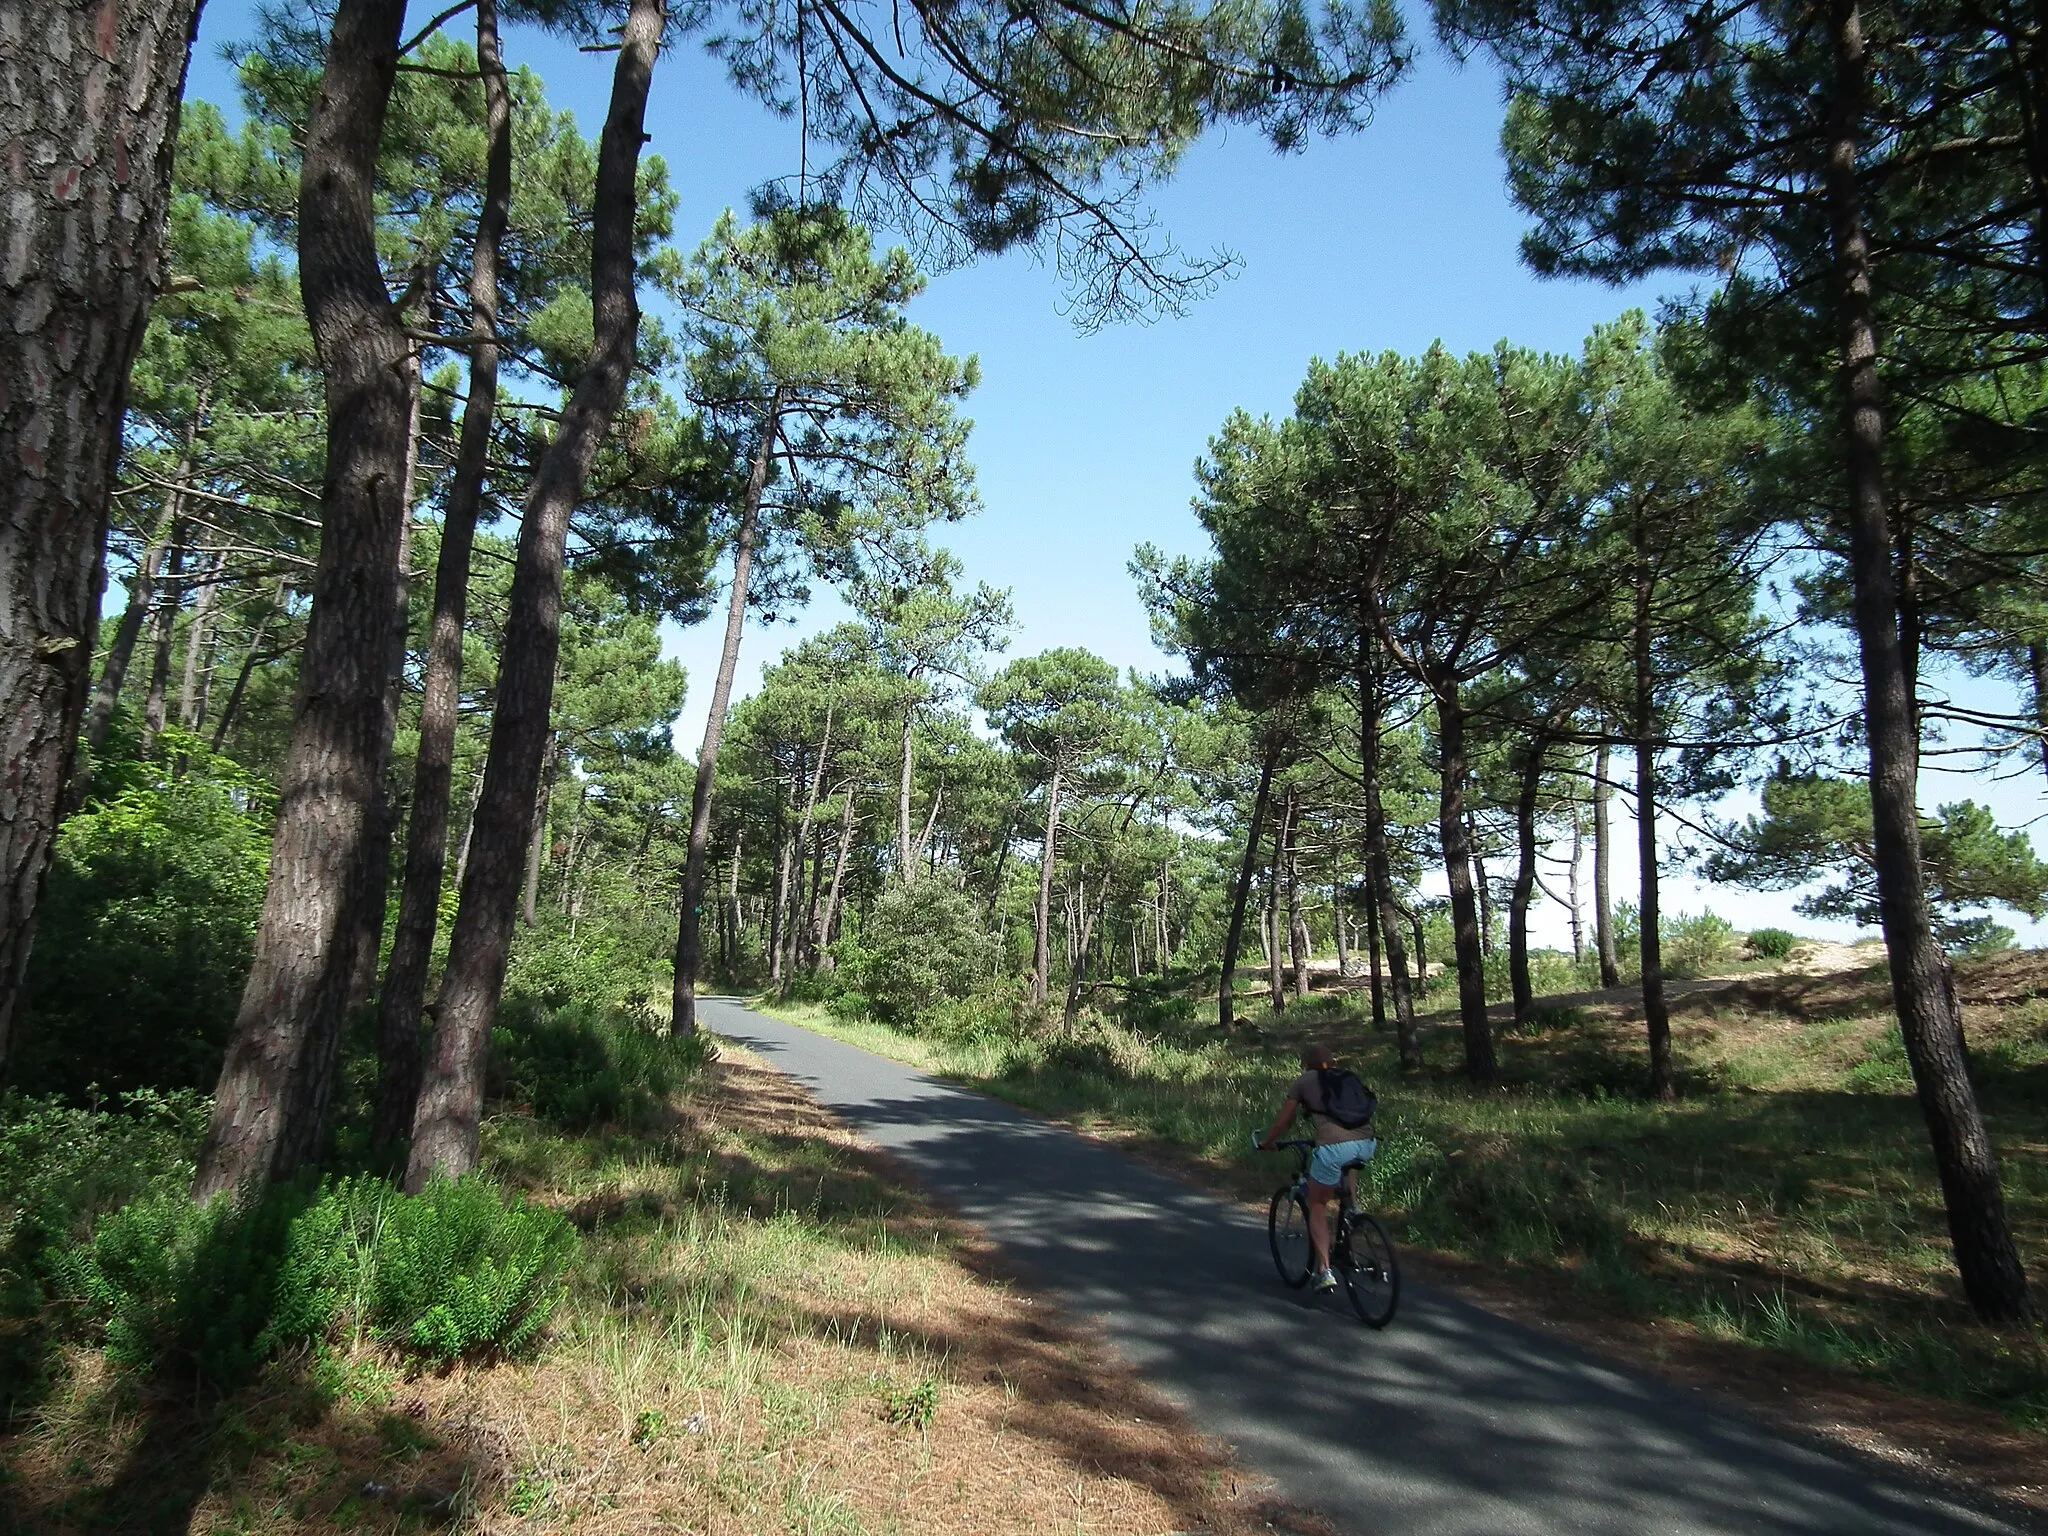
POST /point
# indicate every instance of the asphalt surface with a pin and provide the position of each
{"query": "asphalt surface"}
(1452, 1422)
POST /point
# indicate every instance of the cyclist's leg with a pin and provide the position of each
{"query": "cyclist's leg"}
(1319, 1197)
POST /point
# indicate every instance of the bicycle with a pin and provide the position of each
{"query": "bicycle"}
(1360, 1251)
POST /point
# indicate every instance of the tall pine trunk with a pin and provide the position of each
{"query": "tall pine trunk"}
(828, 919)
(89, 108)
(803, 836)
(1650, 935)
(1041, 927)
(1457, 849)
(1922, 987)
(1233, 936)
(1525, 880)
(163, 640)
(1603, 879)
(690, 922)
(1380, 874)
(1297, 925)
(1276, 982)
(141, 588)
(451, 1093)
(250, 657)
(404, 994)
(277, 1077)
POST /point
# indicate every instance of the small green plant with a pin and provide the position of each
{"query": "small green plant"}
(209, 1292)
(649, 1427)
(915, 1406)
(1772, 943)
(1543, 1021)
(461, 1270)
(530, 1493)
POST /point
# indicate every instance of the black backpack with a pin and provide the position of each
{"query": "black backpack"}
(1346, 1100)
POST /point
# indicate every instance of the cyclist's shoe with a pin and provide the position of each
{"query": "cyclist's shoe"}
(1325, 1280)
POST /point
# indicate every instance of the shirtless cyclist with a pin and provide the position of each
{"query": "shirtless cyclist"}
(1338, 1149)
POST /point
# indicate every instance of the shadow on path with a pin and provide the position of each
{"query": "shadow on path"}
(1451, 1422)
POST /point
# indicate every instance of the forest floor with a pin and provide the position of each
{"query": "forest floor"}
(1777, 1233)
(766, 1332)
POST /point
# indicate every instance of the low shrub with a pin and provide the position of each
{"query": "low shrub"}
(463, 1270)
(1771, 943)
(208, 1293)
(922, 944)
(62, 1168)
(579, 1066)
(145, 935)
(1697, 944)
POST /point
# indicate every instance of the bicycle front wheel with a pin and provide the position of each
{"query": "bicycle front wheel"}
(1287, 1231)
(1372, 1275)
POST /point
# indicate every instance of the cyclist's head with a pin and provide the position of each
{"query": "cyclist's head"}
(1315, 1056)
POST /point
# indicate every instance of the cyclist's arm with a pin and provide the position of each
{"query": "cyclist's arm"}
(1279, 1126)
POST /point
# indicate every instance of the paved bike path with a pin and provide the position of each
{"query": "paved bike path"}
(1452, 1422)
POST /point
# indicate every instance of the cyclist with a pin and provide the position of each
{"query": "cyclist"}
(1339, 1148)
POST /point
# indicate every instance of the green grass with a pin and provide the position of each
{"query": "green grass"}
(1787, 1201)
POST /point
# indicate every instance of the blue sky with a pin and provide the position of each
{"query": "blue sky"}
(1389, 239)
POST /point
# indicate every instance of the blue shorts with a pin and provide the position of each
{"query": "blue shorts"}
(1326, 1165)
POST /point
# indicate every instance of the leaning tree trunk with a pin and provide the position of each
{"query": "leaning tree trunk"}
(800, 924)
(1041, 923)
(275, 1081)
(1276, 982)
(1603, 880)
(828, 916)
(1922, 986)
(141, 586)
(1525, 882)
(426, 849)
(1297, 925)
(445, 1126)
(1451, 829)
(89, 107)
(1233, 936)
(2037, 677)
(249, 659)
(690, 924)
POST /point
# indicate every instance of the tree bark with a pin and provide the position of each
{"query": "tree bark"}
(1041, 927)
(89, 107)
(233, 706)
(1077, 976)
(1603, 880)
(1380, 874)
(1297, 926)
(829, 918)
(2037, 675)
(141, 587)
(905, 862)
(1525, 880)
(1471, 957)
(164, 624)
(1922, 985)
(537, 838)
(278, 1074)
(196, 643)
(803, 835)
(451, 1094)
(1649, 929)
(404, 995)
(690, 924)
(1233, 936)
(1343, 939)
(1276, 983)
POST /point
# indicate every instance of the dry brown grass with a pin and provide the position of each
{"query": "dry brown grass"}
(762, 1311)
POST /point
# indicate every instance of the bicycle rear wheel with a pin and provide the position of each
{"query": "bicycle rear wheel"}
(1372, 1275)
(1287, 1231)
